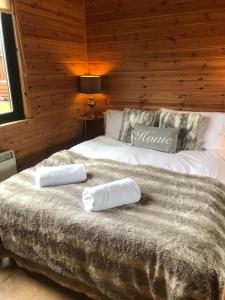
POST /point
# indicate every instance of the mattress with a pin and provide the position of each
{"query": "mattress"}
(202, 163)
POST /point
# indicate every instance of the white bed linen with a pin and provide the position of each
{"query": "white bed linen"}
(204, 163)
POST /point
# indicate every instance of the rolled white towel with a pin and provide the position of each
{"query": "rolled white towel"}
(112, 194)
(58, 175)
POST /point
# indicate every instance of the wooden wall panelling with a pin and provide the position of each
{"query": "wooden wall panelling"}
(53, 50)
(151, 53)
(158, 53)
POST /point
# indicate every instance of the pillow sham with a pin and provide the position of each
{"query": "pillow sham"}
(211, 134)
(134, 116)
(202, 124)
(161, 139)
(188, 124)
(113, 121)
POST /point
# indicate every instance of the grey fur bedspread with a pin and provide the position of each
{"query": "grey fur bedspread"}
(169, 246)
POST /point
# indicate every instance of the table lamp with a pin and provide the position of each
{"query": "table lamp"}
(90, 84)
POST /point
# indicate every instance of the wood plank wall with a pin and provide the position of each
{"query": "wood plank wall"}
(160, 53)
(157, 53)
(53, 50)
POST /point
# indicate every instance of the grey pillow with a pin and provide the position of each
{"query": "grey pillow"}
(188, 124)
(134, 116)
(161, 139)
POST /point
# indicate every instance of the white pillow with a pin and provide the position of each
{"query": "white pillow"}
(214, 134)
(113, 122)
(211, 135)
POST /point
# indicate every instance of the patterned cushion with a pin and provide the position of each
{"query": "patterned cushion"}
(188, 124)
(134, 116)
(161, 139)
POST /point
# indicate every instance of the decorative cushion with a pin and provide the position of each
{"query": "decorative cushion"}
(211, 134)
(134, 116)
(188, 124)
(161, 139)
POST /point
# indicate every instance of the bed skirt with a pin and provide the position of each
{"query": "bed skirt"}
(69, 283)
(63, 281)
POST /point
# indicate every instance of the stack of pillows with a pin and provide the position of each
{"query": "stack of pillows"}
(167, 130)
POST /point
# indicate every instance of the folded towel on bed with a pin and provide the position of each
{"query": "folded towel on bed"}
(57, 175)
(112, 194)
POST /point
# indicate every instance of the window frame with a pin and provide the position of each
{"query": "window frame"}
(12, 66)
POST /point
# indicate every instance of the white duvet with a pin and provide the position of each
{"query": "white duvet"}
(204, 163)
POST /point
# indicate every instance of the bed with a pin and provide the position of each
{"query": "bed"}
(171, 245)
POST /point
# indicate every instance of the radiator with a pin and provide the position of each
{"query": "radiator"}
(7, 164)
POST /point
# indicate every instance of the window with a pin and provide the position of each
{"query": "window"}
(11, 105)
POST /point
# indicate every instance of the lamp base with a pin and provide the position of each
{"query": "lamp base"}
(91, 104)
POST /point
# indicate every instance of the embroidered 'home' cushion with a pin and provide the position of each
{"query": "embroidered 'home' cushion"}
(161, 139)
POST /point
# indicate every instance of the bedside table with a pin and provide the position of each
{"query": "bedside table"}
(93, 127)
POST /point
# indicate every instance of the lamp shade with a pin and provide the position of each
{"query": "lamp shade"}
(90, 84)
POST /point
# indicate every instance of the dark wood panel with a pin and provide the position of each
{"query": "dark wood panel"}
(201, 53)
(52, 57)
(43, 22)
(104, 6)
(157, 23)
(57, 10)
(167, 44)
(32, 43)
(124, 10)
(52, 34)
(161, 32)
